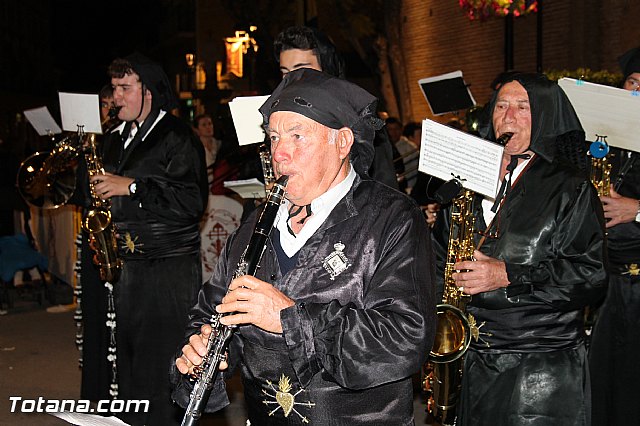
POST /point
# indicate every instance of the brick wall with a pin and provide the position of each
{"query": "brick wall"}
(438, 38)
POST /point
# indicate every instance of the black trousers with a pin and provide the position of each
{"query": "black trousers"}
(614, 354)
(152, 299)
(526, 389)
(96, 369)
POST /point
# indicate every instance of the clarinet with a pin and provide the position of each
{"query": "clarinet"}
(205, 374)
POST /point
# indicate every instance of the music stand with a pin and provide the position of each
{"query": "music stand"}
(447, 93)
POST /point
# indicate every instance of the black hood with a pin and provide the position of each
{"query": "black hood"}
(552, 115)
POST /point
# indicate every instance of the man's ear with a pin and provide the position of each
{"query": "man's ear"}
(345, 141)
(147, 94)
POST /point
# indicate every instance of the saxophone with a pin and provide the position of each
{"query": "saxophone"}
(600, 175)
(454, 329)
(205, 374)
(443, 371)
(98, 223)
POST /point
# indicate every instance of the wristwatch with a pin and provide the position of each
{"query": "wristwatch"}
(638, 212)
(132, 188)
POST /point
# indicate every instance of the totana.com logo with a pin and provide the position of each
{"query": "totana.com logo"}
(42, 405)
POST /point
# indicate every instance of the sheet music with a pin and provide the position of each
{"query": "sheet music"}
(83, 419)
(446, 93)
(247, 118)
(247, 188)
(606, 111)
(78, 109)
(42, 121)
(446, 152)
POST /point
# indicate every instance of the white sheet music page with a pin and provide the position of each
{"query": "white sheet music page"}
(247, 118)
(247, 188)
(446, 152)
(606, 111)
(79, 109)
(41, 120)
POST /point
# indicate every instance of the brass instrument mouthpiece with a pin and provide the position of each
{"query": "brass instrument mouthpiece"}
(504, 138)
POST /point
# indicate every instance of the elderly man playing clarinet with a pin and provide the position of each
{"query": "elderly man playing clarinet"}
(341, 311)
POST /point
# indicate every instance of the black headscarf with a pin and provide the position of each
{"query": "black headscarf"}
(154, 78)
(330, 101)
(630, 62)
(552, 115)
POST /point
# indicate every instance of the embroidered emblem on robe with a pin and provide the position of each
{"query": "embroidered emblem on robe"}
(336, 262)
(283, 398)
(131, 244)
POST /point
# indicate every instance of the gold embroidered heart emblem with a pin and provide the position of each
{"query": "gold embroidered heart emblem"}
(283, 397)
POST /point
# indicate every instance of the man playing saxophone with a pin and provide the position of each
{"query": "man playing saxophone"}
(156, 182)
(615, 343)
(341, 312)
(539, 261)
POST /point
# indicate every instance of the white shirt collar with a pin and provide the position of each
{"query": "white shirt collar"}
(321, 208)
(487, 202)
(134, 130)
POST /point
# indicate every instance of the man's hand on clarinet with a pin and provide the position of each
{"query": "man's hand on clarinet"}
(194, 351)
(252, 301)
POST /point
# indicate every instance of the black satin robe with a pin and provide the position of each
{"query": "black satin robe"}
(530, 365)
(615, 342)
(159, 243)
(350, 344)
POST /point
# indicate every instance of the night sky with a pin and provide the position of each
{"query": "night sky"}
(89, 35)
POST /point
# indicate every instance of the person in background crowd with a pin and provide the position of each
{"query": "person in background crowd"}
(203, 125)
(409, 149)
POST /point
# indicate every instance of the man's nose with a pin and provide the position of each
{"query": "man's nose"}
(280, 152)
(510, 115)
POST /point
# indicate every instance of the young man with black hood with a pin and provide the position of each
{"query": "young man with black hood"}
(306, 47)
(156, 182)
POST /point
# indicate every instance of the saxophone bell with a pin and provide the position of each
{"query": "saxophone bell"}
(47, 180)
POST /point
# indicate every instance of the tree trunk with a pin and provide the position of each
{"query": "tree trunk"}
(386, 81)
(393, 25)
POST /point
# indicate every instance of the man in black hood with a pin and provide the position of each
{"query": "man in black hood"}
(615, 345)
(539, 260)
(156, 182)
